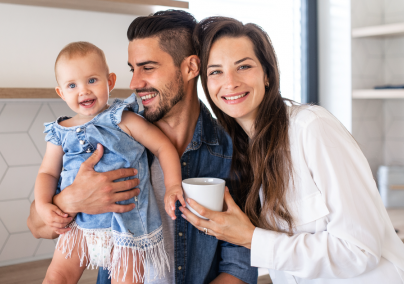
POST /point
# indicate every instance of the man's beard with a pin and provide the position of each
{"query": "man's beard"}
(166, 104)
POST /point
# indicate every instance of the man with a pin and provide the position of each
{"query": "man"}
(165, 71)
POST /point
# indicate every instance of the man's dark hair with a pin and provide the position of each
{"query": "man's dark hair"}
(173, 28)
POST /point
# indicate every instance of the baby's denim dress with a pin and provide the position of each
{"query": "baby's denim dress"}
(138, 232)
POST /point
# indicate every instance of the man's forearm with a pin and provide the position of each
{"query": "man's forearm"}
(225, 278)
(37, 226)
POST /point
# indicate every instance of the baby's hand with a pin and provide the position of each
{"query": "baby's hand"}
(173, 194)
(53, 216)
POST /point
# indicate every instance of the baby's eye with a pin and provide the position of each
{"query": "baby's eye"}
(92, 80)
(72, 85)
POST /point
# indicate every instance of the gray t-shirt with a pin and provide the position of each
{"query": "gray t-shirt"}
(157, 180)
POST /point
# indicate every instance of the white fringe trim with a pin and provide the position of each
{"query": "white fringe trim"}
(94, 247)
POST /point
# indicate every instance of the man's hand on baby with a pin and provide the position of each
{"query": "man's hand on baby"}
(54, 217)
(173, 194)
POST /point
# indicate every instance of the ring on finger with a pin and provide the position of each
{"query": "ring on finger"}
(205, 230)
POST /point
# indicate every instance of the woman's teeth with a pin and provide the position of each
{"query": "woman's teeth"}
(149, 96)
(235, 97)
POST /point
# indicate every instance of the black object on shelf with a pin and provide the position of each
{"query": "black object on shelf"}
(389, 87)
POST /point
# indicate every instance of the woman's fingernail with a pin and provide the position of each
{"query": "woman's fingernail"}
(183, 216)
(181, 209)
(173, 208)
(173, 218)
(188, 200)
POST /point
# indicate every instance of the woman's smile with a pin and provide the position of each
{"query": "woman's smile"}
(235, 98)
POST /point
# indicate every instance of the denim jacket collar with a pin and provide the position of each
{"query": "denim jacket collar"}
(205, 130)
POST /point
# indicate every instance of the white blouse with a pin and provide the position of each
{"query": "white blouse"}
(342, 232)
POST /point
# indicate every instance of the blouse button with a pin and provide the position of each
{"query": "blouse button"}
(78, 130)
(82, 142)
(179, 267)
(184, 164)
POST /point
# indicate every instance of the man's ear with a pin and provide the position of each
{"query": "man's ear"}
(59, 92)
(192, 66)
(111, 81)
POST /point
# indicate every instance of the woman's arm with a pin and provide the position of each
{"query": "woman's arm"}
(353, 239)
(154, 139)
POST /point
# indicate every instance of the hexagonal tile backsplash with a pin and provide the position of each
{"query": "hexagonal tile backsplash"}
(22, 147)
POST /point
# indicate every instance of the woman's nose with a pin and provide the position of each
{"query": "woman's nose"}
(232, 82)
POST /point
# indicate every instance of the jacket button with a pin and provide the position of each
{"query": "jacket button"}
(179, 267)
(180, 234)
(78, 130)
(184, 164)
(82, 142)
(88, 150)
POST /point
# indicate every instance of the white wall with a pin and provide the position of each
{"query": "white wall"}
(31, 37)
(334, 36)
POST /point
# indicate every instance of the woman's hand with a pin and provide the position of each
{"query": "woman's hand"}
(232, 225)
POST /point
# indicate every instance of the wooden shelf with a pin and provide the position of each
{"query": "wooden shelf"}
(130, 7)
(48, 93)
(378, 94)
(379, 31)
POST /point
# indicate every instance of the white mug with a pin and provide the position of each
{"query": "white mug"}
(208, 192)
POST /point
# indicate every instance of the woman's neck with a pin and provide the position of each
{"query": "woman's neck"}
(247, 123)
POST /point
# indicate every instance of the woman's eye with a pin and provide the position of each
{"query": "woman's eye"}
(214, 72)
(147, 68)
(131, 70)
(92, 80)
(72, 86)
(244, 67)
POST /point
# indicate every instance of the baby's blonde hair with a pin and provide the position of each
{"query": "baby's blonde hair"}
(80, 48)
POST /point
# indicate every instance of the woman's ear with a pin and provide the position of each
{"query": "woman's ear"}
(191, 65)
(59, 92)
(111, 81)
(266, 81)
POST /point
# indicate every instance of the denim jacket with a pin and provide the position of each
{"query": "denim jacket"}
(200, 258)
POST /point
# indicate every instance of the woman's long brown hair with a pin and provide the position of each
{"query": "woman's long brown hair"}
(265, 158)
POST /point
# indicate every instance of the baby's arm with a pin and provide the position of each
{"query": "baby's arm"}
(153, 139)
(45, 185)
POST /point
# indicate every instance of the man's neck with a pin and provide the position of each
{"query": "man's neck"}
(179, 124)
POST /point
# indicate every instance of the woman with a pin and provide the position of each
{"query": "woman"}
(312, 210)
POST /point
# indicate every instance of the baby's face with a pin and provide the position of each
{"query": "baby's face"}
(84, 83)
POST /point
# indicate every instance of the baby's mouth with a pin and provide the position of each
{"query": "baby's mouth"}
(87, 102)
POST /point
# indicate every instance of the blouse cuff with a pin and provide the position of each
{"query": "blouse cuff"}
(262, 248)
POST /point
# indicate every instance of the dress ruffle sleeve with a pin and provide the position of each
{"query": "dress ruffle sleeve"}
(51, 134)
(129, 104)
